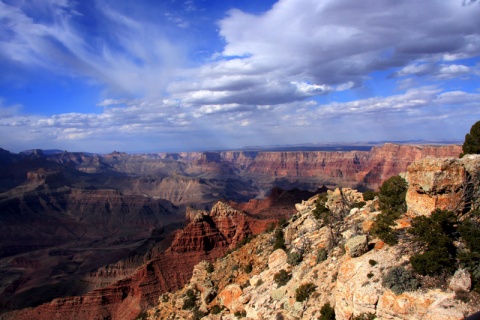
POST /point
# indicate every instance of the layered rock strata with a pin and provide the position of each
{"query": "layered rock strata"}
(206, 237)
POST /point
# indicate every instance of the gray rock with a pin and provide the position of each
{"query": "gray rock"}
(357, 246)
(461, 281)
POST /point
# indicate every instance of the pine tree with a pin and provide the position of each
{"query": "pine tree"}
(472, 141)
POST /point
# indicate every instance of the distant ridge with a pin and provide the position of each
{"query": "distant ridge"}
(330, 146)
(348, 146)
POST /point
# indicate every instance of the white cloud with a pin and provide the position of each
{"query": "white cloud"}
(453, 70)
(331, 44)
(128, 55)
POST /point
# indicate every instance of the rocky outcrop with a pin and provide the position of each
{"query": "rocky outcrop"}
(351, 281)
(442, 183)
(461, 281)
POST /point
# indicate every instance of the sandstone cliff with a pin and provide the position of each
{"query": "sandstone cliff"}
(443, 183)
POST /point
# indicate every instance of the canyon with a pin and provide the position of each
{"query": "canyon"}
(105, 235)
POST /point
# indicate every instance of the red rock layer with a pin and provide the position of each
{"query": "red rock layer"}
(207, 237)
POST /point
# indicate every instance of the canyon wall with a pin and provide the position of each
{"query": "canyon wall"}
(206, 237)
(349, 169)
(200, 177)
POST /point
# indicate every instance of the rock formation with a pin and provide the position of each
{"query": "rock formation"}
(443, 183)
(341, 263)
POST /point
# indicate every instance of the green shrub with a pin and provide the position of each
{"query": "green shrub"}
(432, 262)
(270, 227)
(365, 316)
(235, 267)
(398, 279)
(370, 275)
(244, 241)
(372, 262)
(240, 314)
(471, 145)
(327, 312)
(470, 233)
(190, 299)
(437, 234)
(248, 268)
(210, 268)
(438, 230)
(294, 258)
(322, 213)
(282, 223)
(392, 194)
(142, 316)
(359, 205)
(392, 203)
(304, 291)
(471, 261)
(197, 314)
(369, 195)
(322, 255)
(259, 282)
(279, 240)
(281, 278)
(216, 309)
(382, 227)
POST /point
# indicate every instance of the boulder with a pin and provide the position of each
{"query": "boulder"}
(230, 297)
(277, 259)
(461, 281)
(356, 246)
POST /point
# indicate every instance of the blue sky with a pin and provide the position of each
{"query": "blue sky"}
(143, 76)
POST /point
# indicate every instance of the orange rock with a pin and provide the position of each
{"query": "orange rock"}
(230, 297)
(367, 225)
(438, 183)
(379, 245)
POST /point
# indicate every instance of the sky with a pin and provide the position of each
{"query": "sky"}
(185, 75)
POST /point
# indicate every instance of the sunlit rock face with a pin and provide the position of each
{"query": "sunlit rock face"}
(441, 183)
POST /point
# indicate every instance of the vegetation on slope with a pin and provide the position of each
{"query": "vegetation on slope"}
(392, 204)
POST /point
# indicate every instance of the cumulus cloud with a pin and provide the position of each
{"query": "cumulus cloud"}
(332, 43)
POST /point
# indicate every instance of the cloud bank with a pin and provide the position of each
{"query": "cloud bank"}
(303, 71)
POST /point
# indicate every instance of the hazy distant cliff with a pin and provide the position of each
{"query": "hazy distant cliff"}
(194, 177)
